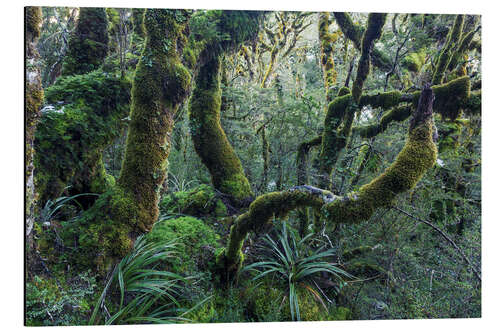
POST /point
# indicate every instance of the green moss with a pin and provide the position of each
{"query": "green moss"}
(88, 44)
(450, 97)
(448, 50)
(414, 61)
(355, 33)
(416, 157)
(196, 243)
(138, 22)
(373, 32)
(33, 21)
(259, 217)
(344, 91)
(200, 201)
(329, 146)
(398, 113)
(384, 100)
(209, 138)
(69, 142)
(103, 233)
(327, 41)
(160, 85)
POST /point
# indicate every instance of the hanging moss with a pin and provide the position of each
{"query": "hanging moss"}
(88, 44)
(209, 138)
(200, 202)
(448, 50)
(69, 142)
(416, 157)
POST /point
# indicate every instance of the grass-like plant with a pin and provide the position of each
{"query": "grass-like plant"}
(146, 294)
(52, 207)
(292, 261)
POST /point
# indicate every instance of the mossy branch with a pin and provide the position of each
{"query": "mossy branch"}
(327, 40)
(355, 33)
(341, 111)
(260, 214)
(448, 50)
(417, 156)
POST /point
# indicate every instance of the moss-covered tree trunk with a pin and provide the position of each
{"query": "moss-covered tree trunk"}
(210, 140)
(327, 40)
(109, 228)
(88, 44)
(33, 101)
(341, 111)
(87, 48)
(160, 85)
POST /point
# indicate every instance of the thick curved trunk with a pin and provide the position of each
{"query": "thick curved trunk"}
(210, 140)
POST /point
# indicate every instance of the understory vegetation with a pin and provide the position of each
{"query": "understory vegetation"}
(208, 166)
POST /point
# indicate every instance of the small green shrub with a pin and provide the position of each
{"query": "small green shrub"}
(297, 266)
(50, 302)
(196, 242)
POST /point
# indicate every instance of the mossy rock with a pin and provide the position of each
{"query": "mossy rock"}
(196, 243)
(200, 202)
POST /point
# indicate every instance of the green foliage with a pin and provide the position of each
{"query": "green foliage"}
(195, 242)
(88, 45)
(290, 261)
(414, 61)
(199, 201)
(50, 304)
(146, 294)
(69, 141)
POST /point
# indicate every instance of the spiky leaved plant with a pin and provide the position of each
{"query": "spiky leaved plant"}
(290, 260)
